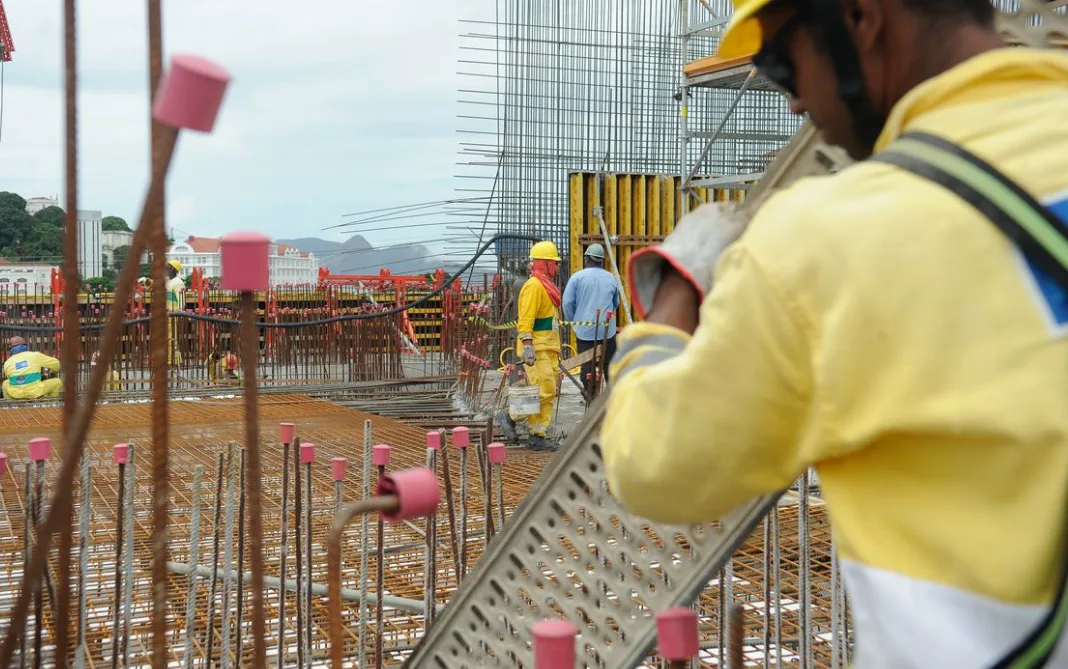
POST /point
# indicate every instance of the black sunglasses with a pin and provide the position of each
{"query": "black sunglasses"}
(773, 60)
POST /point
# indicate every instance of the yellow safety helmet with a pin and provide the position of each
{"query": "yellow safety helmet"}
(176, 265)
(544, 251)
(744, 35)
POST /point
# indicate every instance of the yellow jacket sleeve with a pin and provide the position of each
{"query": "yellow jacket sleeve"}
(697, 425)
(529, 302)
(47, 362)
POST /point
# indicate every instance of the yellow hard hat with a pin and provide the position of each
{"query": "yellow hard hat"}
(544, 251)
(176, 265)
(743, 35)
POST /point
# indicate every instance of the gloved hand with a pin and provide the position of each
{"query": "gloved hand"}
(528, 354)
(693, 249)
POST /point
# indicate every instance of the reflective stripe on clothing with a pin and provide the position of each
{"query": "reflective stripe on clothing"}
(645, 344)
(24, 379)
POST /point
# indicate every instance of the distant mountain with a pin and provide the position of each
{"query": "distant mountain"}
(356, 256)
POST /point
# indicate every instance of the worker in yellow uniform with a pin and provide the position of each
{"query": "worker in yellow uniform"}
(538, 343)
(875, 325)
(222, 367)
(111, 377)
(23, 373)
(175, 302)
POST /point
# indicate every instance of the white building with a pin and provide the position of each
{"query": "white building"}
(36, 204)
(287, 264)
(90, 249)
(24, 278)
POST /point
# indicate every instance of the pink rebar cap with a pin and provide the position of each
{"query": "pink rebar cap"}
(121, 454)
(307, 453)
(244, 262)
(3, 463)
(433, 440)
(380, 455)
(40, 449)
(190, 93)
(554, 644)
(676, 630)
(461, 437)
(418, 492)
(497, 453)
(338, 467)
(288, 430)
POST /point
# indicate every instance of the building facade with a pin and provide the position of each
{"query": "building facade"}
(288, 266)
(90, 246)
(24, 278)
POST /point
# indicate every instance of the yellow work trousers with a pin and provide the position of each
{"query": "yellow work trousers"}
(542, 374)
(174, 358)
(32, 391)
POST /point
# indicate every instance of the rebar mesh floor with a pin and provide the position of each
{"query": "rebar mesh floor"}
(202, 430)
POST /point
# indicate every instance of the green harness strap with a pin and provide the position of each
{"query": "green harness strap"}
(1043, 239)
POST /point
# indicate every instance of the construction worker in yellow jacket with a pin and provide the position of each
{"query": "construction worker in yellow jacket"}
(175, 302)
(538, 343)
(874, 325)
(23, 373)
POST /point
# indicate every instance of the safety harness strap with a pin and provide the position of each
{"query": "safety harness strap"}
(1043, 239)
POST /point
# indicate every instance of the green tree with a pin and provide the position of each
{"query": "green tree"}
(114, 224)
(9, 200)
(53, 216)
(119, 256)
(15, 228)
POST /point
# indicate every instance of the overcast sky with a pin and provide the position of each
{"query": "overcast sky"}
(336, 106)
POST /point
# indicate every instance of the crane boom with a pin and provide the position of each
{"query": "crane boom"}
(7, 46)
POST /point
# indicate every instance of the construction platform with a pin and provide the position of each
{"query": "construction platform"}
(204, 433)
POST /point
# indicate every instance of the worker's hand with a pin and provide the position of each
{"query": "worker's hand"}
(528, 354)
(693, 250)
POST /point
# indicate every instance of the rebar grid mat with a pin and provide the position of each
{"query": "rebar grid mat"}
(201, 431)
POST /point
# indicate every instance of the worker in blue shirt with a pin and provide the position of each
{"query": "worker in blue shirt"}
(590, 290)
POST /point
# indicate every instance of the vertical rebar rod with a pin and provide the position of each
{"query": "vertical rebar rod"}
(463, 515)
(500, 494)
(27, 545)
(309, 578)
(38, 605)
(250, 355)
(365, 540)
(282, 556)
(194, 561)
(209, 630)
(380, 582)
(430, 569)
(127, 569)
(158, 343)
(116, 622)
(298, 524)
(777, 573)
(240, 559)
(71, 332)
(767, 590)
(83, 558)
(804, 631)
(450, 506)
(228, 559)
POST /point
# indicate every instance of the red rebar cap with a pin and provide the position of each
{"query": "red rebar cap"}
(190, 93)
(244, 262)
(433, 440)
(40, 449)
(288, 430)
(554, 644)
(497, 453)
(3, 463)
(380, 455)
(337, 468)
(676, 630)
(461, 437)
(121, 454)
(307, 453)
(418, 492)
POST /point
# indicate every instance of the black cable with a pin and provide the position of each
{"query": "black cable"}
(287, 326)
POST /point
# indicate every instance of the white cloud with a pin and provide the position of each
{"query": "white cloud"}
(335, 106)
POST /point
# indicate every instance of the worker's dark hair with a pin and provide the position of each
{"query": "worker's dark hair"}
(977, 11)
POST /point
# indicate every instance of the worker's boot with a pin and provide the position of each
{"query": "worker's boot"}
(507, 425)
(538, 442)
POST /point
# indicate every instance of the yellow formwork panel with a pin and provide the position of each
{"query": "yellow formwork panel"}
(639, 210)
